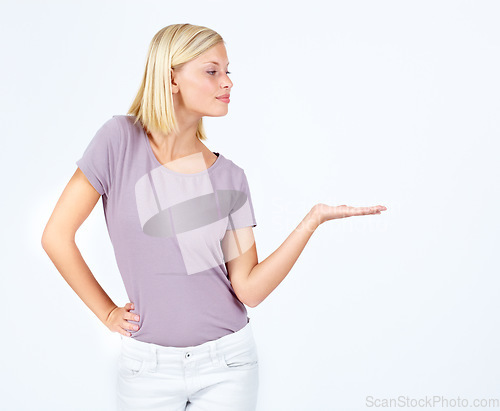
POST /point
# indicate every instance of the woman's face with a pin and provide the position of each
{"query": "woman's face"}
(197, 85)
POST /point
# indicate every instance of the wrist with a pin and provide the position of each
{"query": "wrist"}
(110, 310)
(312, 220)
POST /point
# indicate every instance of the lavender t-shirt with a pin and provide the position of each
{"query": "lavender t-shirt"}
(166, 229)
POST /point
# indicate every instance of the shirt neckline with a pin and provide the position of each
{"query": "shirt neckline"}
(149, 149)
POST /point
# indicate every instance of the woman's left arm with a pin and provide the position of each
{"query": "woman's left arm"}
(255, 281)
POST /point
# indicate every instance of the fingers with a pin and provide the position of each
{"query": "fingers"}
(123, 332)
(129, 326)
(379, 209)
(125, 324)
(368, 210)
(128, 315)
(343, 211)
(131, 316)
(125, 327)
(372, 210)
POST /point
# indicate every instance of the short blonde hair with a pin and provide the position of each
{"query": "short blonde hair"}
(171, 47)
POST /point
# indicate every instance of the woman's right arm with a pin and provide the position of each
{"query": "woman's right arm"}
(58, 240)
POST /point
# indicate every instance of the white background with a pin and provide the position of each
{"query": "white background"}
(360, 103)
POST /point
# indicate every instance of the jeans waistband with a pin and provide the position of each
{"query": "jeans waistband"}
(229, 341)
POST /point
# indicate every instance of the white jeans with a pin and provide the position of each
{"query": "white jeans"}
(219, 375)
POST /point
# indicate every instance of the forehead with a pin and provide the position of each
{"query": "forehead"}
(214, 55)
(216, 63)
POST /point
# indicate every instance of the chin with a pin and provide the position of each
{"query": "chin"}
(219, 114)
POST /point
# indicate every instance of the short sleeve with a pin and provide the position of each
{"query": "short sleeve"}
(242, 213)
(99, 158)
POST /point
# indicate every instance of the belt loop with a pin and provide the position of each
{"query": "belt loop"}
(213, 352)
(154, 358)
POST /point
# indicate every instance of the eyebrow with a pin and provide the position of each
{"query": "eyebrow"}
(214, 62)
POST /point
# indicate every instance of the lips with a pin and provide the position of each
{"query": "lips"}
(224, 96)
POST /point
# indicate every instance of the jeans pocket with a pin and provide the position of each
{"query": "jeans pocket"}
(130, 367)
(241, 358)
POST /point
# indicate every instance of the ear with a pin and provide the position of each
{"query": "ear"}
(173, 85)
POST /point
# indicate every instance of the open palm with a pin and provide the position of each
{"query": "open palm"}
(326, 212)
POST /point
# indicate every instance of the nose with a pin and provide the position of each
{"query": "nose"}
(227, 83)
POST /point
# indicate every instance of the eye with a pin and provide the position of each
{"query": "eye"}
(211, 72)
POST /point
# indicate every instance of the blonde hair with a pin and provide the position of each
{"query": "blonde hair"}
(171, 47)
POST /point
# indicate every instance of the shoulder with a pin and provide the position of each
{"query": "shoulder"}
(235, 173)
(110, 138)
(122, 122)
(118, 129)
(110, 130)
(129, 126)
(232, 167)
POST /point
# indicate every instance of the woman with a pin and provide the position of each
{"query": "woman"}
(180, 218)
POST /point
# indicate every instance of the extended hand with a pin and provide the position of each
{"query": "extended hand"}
(324, 212)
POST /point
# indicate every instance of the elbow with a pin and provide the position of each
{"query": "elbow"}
(251, 305)
(252, 298)
(47, 238)
(252, 302)
(53, 239)
(45, 241)
(247, 300)
(48, 245)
